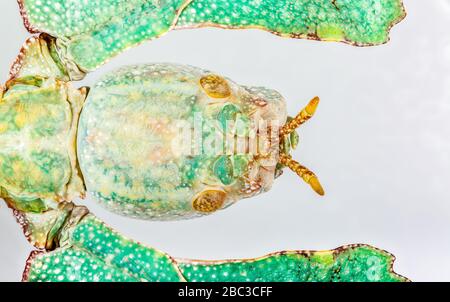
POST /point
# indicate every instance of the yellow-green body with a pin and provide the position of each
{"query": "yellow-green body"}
(38, 124)
(137, 160)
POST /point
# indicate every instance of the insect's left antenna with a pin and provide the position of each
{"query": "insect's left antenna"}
(307, 175)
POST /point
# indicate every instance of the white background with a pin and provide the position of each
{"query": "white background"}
(380, 143)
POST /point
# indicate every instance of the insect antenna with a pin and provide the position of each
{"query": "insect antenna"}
(301, 118)
(286, 160)
(307, 175)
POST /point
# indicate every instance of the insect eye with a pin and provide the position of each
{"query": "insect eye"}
(215, 86)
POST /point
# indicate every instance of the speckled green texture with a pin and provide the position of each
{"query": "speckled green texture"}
(133, 155)
(95, 31)
(94, 252)
(91, 32)
(359, 22)
(357, 263)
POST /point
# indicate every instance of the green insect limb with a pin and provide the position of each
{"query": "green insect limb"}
(356, 22)
(47, 229)
(90, 251)
(41, 57)
(354, 263)
(90, 33)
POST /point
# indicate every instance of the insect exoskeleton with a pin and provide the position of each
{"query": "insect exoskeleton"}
(38, 125)
(167, 141)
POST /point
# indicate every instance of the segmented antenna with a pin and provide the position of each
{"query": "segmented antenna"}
(286, 160)
(301, 118)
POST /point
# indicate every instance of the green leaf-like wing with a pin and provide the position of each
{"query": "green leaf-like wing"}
(354, 263)
(90, 251)
(357, 22)
(91, 32)
(93, 252)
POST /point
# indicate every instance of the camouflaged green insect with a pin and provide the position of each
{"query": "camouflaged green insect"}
(57, 141)
(125, 146)
(121, 154)
(119, 150)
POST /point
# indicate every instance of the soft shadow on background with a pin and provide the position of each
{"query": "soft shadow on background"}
(380, 143)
